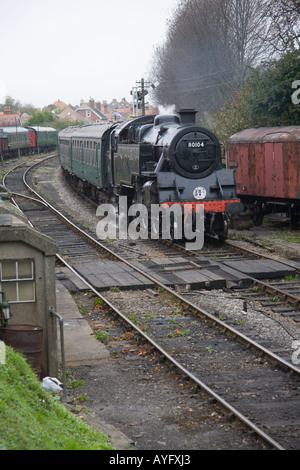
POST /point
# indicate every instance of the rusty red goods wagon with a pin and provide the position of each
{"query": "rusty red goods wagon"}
(267, 170)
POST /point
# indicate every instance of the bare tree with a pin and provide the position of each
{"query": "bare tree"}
(210, 46)
(246, 23)
(193, 62)
(284, 24)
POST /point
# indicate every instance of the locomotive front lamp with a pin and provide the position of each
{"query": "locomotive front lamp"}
(5, 310)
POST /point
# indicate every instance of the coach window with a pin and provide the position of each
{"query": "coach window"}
(17, 280)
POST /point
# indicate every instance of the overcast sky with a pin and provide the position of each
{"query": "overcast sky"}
(77, 49)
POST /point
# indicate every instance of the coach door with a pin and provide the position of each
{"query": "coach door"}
(274, 170)
(98, 163)
(81, 159)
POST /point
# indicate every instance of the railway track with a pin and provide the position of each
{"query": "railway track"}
(246, 379)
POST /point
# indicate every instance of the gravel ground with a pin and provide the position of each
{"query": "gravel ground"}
(270, 325)
(140, 395)
(121, 391)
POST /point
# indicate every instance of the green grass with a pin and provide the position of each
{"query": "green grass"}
(32, 419)
(102, 336)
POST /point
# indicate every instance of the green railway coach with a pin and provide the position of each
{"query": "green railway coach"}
(18, 140)
(84, 154)
(46, 138)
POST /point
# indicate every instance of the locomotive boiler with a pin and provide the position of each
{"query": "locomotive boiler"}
(162, 159)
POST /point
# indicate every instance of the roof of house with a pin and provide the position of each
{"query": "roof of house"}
(9, 119)
(60, 104)
(94, 110)
(72, 115)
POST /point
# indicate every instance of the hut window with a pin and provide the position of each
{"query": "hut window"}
(17, 280)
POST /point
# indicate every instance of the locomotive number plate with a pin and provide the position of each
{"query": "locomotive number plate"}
(195, 144)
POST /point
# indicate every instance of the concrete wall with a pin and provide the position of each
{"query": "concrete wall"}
(22, 242)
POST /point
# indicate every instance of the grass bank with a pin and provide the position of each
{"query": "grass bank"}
(32, 419)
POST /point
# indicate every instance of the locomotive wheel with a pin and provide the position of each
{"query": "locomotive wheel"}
(155, 226)
(172, 231)
(173, 228)
(224, 234)
(258, 218)
(121, 216)
(258, 214)
(145, 225)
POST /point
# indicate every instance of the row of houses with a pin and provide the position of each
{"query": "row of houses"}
(90, 112)
(8, 119)
(96, 111)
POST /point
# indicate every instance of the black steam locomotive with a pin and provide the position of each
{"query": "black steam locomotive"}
(162, 159)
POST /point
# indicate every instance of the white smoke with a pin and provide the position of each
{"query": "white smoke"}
(167, 109)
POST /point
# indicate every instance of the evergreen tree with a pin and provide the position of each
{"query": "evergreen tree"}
(266, 98)
(41, 118)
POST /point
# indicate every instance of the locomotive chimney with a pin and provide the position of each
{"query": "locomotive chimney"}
(187, 116)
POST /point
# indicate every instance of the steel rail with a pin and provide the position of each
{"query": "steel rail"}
(204, 314)
(262, 255)
(223, 403)
(201, 312)
(294, 299)
(21, 195)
